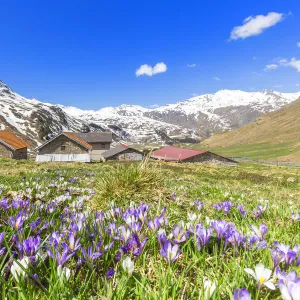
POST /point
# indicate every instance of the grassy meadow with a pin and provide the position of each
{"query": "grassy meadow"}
(287, 151)
(148, 230)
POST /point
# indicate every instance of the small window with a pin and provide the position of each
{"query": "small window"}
(103, 146)
(62, 147)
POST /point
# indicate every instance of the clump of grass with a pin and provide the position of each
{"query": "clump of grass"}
(139, 182)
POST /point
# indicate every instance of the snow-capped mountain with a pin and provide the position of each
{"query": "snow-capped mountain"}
(189, 120)
(226, 109)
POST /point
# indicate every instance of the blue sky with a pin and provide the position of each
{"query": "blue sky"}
(86, 53)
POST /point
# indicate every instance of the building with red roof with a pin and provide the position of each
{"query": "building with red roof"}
(180, 154)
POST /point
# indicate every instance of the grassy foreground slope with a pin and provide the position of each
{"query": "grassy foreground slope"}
(204, 214)
(275, 135)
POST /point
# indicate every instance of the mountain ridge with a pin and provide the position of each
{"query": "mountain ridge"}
(193, 119)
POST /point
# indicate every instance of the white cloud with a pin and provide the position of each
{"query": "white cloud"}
(271, 67)
(191, 65)
(154, 106)
(255, 25)
(216, 78)
(254, 58)
(298, 44)
(149, 71)
(294, 63)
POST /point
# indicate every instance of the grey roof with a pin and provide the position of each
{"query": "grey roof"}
(95, 137)
(116, 150)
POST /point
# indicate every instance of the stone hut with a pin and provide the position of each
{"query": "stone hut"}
(179, 154)
(65, 147)
(123, 153)
(11, 146)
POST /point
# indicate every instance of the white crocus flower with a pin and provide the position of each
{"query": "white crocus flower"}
(128, 265)
(63, 273)
(262, 276)
(192, 217)
(209, 289)
(17, 268)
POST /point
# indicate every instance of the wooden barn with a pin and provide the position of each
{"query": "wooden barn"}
(100, 142)
(123, 153)
(179, 154)
(11, 146)
(65, 147)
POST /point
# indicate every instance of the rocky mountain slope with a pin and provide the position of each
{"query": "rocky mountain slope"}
(186, 121)
(279, 126)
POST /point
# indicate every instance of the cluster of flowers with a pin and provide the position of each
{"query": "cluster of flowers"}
(71, 238)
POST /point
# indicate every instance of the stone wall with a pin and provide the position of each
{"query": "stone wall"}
(8, 153)
(5, 151)
(55, 147)
(20, 154)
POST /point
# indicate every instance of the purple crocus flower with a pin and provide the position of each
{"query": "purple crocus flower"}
(118, 256)
(221, 226)
(295, 217)
(198, 204)
(203, 236)
(154, 225)
(288, 253)
(217, 206)
(99, 217)
(234, 238)
(2, 234)
(277, 257)
(110, 273)
(163, 211)
(89, 255)
(33, 225)
(169, 252)
(73, 242)
(241, 294)
(30, 246)
(286, 278)
(226, 206)
(178, 234)
(112, 229)
(17, 222)
(290, 290)
(260, 210)
(55, 238)
(136, 245)
(135, 226)
(242, 210)
(260, 233)
(142, 211)
(61, 258)
(4, 204)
